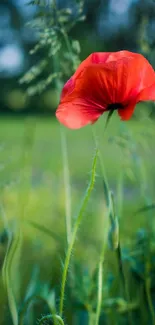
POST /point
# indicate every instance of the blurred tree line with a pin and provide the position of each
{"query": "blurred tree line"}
(110, 25)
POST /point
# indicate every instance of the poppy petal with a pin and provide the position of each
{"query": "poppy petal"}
(147, 93)
(126, 113)
(132, 71)
(115, 56)
(140, 75)
(103, 84)
(68, 88)
(94, 58)
(77, 113)
(102, 57)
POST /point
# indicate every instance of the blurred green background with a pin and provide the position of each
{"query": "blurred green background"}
(109, 26)
(31, 158)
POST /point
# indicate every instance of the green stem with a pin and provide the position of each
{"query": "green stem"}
(68, 45)
(13, 244)
(125, 287)
(149, 299)
(75, 229)
(100, 279)
(120, 193)
(101, 260)
(66, 174)
(119, 258)
(66, 185)
(60, 28)
(147, 255)
(99, 295)
(105, 181)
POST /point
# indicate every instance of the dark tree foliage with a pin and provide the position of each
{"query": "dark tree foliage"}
(97, 32)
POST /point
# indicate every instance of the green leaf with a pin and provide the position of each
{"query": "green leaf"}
(31, 300)
(76, 46)
(12, 250)
(146, 208)
(45, 230)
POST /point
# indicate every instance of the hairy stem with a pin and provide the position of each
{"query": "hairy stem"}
(75, 229)
(101, 259)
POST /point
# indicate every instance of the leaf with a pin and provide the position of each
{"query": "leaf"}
(13, 245)
(37, 2)
(145, 208)
(76, 46)
(45, 230)
(31, 300)
(54, 49)
(34, 72)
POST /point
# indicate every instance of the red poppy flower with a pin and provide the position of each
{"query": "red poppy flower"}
(104, 82)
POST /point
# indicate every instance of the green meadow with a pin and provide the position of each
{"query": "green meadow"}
(44, 172)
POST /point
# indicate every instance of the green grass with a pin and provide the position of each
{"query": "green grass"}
(32, 191)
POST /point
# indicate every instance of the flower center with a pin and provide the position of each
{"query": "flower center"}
(114, 106)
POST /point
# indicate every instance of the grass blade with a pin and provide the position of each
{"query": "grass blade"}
(45, 230)
(13, 248)
(146, 208)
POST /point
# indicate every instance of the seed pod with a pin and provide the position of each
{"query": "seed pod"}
(113, 236)
(118, 304)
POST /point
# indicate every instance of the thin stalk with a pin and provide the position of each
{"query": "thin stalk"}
(99, 294)
(75, 229)
(66, 39)
(66, 175)
(98, 146)
(120, 264)
(101, 259)
(13, 244)
(100, 280)
(60, 28)
(120, 193)
(124, 283)
(149, 299)
(145, 195)
(147, 257)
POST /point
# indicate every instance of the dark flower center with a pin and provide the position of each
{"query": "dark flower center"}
(114, 106)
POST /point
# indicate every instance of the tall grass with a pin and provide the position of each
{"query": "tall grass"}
(41, 227)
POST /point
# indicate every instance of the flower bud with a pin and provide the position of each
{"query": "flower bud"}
(113, 236)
